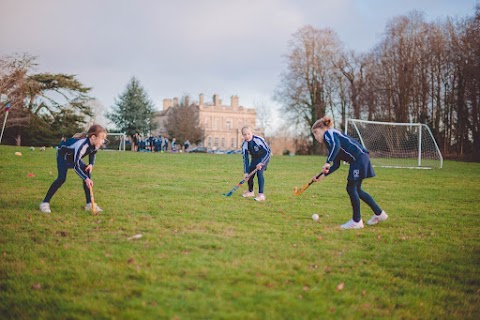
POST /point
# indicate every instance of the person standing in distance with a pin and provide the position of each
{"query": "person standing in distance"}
(259, 151)
(69, 156)
(342, 147)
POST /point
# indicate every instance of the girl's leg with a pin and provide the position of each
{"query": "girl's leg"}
(261, 181)
(62, 176)
(85, 188)
(250, 182)
(352, 189)
(368, 199)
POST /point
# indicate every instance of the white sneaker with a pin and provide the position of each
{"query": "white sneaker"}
(248, 194)
(88, 207)
(351, 224)
(260, 197)
(45, 207)
(376, 219)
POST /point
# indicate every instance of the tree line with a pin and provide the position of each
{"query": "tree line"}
(419, 71)
(134, 113)
(46, 107)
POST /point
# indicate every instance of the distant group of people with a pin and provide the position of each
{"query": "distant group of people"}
(156, 144)
(256, 156)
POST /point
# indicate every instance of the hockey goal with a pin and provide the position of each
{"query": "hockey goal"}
(116, 141)
(401, 145)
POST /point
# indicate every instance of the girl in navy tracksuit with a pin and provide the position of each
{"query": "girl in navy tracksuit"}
(342, 147)
(69, 156)
(260, 153)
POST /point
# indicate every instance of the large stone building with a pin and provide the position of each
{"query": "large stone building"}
(222, 123)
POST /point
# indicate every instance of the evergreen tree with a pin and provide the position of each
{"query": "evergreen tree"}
(42, 104)
(133, 111)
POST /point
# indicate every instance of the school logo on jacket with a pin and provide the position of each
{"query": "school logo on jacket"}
(256, 148)
(356, 174)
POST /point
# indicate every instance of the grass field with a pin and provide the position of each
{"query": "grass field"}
(203, 255)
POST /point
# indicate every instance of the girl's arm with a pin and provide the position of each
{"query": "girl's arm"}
(77, 158)
(336, 165)
(262, 144)
(91, 158)
(334, 144)
(246, 161)
(268, 153)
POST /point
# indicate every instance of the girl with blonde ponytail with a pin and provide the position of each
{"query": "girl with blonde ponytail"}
(342, 147)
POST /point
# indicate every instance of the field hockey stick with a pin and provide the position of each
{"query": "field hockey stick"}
(297, 192)
(228, 194)
(94, 208)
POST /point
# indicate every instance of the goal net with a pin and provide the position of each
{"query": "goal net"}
(116, 141)
(402, 145)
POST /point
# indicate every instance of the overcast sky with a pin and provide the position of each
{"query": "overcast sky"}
(180, 47)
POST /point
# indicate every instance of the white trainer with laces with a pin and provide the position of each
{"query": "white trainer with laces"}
(351, 224)
(376, 219)
(45, 207)
(260, 197)
(88, 207)
(248, 194)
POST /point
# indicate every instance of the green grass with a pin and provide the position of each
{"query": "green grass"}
(203, 255)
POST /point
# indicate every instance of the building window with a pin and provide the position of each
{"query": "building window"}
(232, 144)
(210, 141)
(216, 142)
(229, 125)
(223, 142)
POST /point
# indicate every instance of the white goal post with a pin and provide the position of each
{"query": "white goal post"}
(401, 145)
(116, 141)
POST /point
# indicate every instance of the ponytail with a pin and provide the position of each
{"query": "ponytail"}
(325, 122)
(94, 130)
(80, 135)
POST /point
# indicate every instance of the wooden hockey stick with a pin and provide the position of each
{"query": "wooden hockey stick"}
(297, 191)
(94, 207)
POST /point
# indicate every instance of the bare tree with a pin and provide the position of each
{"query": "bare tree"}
(183, 123)
(424, 72)
(308, 85)
(466, 49)
(13, 88)
(418, 72)
(264, 116)
(472, 75)
(352, 66)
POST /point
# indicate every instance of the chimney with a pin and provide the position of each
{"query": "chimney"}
(202, 99)
(234, 102)
(216, 100)
(175, 102)
(167, 103)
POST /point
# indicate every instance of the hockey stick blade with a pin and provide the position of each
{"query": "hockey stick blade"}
(228, 194)
(297, 191)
